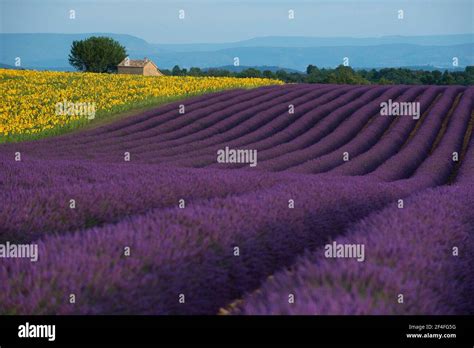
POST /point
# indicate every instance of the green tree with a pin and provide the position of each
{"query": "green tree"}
(427, 78)
(97, 54)
(250, 72)
(268, 74)
(345, 75)
(447, 78)
(176, 71)
(436, 77)
(384, 81)
(218, 72)
(314, 75)
(195, 71)
(311, 69)
(469, 75)
(282, 75)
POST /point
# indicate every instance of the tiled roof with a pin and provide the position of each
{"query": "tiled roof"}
(136, 63)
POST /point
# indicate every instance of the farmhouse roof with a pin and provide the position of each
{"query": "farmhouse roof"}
(136, 63)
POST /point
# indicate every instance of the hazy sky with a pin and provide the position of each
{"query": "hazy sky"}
(158, 21)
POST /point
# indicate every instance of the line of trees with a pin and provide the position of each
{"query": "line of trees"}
(344, 75)
(102, 54)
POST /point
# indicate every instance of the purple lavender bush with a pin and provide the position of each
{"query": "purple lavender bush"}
(139, 217)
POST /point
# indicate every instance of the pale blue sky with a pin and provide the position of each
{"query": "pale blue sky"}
(233, 20)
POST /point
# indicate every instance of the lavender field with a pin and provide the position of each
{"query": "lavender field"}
(140, 216)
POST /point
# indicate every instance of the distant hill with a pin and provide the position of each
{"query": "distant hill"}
(432, 68)
(302, 41)
(298, 58)
(7, 66)
(50, 51)
(261, 68)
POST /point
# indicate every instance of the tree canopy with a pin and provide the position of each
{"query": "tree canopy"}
(345, 75)
(96, 54)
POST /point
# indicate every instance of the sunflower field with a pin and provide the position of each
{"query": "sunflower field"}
(29, 99)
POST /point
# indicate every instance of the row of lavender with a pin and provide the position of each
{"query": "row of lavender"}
(220, 122)
(418, 259)
(39, 197)
(191, 251)
(235, 227)
(102, 192)
(327, 122)
(188, 251)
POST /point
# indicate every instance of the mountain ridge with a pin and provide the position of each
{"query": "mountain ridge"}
(50, 50)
